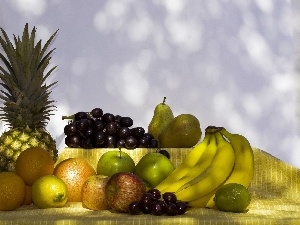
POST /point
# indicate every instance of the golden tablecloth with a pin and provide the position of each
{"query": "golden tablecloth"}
(275, 191)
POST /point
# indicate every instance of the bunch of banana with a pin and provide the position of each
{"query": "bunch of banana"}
(219, 159)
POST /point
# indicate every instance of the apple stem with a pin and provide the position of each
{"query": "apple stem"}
(120, 152)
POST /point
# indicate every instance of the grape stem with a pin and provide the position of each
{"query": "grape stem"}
(68, 117)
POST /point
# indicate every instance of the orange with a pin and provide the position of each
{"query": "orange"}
(74, 172)
(28, 195)
(34, 163)
(12, 191)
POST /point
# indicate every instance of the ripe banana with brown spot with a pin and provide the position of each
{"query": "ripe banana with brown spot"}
(217, 172)
(202, 164)
(183, 168)
(243, 169)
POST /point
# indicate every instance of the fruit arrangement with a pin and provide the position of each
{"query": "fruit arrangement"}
(96, 129)
(215, 174)
(221, 158)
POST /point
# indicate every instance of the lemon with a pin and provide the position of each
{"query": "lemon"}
(232, 197)
(49, 191)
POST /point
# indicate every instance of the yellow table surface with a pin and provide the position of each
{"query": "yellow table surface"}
(275, 191)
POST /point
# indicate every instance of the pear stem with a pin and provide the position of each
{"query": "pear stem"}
(164, 100)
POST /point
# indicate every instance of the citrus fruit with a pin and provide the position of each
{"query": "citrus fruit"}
(74, 172)
(12, 191)
(33, 163)
(49, 191)
(28, 196)
(232, 197)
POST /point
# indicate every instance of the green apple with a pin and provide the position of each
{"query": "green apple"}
(115, 161)
(154, 168)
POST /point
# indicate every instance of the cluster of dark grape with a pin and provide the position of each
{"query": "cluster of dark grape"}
(96, 129)
(156, 204)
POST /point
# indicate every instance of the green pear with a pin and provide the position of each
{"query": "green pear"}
(182, 132)
(162, 116)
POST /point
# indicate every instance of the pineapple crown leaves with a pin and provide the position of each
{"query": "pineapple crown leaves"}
(25, 94)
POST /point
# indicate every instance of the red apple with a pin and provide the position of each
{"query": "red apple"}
(123, 188)
(93, 192)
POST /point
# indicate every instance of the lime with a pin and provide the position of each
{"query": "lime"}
(232, 197)
(49, 191)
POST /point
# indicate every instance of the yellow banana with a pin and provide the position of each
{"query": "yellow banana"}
(213, 176)
(184, 167)
(243, 169)
(202, 164)
(202, 201)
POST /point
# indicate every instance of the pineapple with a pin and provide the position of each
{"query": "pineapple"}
(26, 104)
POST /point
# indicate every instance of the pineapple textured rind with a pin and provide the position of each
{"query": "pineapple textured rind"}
(14, 141)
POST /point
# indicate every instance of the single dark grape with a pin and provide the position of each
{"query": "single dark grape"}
(147, 199)
(98, 125)
(143, 142)
(121, 143)
(91, 122)
(146, 209)
(164, 152)
(149, 136)
(108, 117)
(138, 132)
(80, 115)
(182, 207)
(153, 143)
(86, 143)
(89, 132)
(123, 132)
(169, 197)
(73, 141)
(130, 142)
(82, 125)
(118, 118)
(70, 129)
(135, 208)
(99, 138)
(97, 112)
(158, 208)
(110, 141)
(126, 122)
(171, 209)
(155, 193)
(112, 128)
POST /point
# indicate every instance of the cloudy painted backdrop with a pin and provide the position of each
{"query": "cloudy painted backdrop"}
(228, 62)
